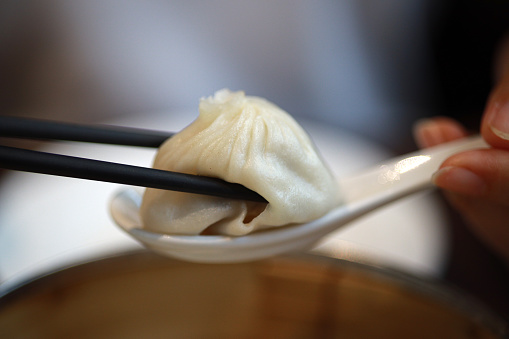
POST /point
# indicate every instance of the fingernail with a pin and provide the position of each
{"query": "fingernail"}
(499, 123)
(459, 180)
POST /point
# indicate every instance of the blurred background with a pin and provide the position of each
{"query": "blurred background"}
(369, 67)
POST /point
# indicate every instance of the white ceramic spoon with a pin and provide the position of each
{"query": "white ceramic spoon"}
(362, 193)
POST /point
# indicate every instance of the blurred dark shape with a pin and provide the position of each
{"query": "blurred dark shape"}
(465, 41)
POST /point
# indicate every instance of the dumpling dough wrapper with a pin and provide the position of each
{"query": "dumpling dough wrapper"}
(250, 141)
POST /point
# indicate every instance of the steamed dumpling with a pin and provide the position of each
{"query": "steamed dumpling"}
(245, 140)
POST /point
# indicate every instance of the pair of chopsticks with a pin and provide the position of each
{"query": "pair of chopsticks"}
(67, 166)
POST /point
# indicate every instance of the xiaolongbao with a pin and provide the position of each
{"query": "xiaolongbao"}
(245, 140)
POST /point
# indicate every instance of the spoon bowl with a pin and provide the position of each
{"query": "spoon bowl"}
(362, 193)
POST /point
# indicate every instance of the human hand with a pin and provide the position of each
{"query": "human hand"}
(477, 182)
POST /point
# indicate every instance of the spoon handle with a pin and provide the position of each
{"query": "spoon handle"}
(404, 175)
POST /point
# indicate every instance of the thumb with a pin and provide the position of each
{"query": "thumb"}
(495, 123)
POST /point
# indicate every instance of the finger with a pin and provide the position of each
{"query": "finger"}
(477, 173)
(477, 185)
(437, 130)
(495, 123)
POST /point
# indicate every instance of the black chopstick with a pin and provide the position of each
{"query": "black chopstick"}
(74, 167)
(15, 127)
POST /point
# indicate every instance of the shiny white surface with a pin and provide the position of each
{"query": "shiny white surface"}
(384, 184)
(47, 222)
